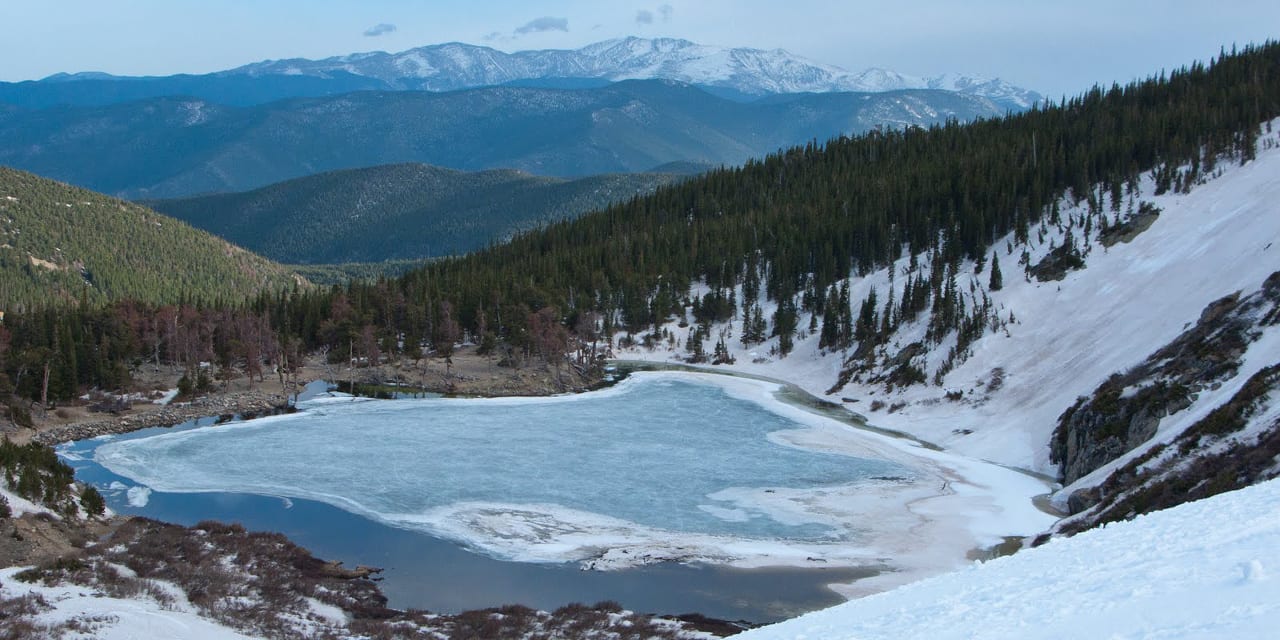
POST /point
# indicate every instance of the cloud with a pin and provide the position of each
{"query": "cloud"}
(379, 29)
(546, 23)
(645, 16)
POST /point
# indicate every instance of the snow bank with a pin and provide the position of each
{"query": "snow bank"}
(19, 505)
(1199, 570)
(108, 618)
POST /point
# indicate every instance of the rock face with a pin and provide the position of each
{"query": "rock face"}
(1126, 410)
(1095, 432)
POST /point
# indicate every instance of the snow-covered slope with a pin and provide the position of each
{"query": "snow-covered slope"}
(1213, 578)
(456, 65)
(1056, 341)
(80, 612)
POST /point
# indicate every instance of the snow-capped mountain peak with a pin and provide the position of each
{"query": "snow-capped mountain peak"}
(455, 65)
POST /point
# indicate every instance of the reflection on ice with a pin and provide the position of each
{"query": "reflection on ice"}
(659, 467)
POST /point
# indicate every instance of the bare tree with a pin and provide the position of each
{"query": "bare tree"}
(550, 337)
(447, 335)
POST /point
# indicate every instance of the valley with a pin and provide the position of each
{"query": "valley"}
(945, 334)
(400, 212)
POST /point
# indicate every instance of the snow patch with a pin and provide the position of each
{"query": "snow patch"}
(115, 618)
(1128, 580)
(138, 496)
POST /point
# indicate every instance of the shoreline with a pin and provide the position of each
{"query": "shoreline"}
(931, 518)
(954, 508)
(469, 375)
(246, 405)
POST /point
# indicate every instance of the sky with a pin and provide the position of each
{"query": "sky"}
(1057, 47)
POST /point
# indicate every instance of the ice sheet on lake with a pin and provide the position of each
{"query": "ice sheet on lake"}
(138, 496)
(660, 467)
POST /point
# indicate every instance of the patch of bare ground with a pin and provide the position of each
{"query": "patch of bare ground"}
(466, 373)
(34, 538)
(262, 584)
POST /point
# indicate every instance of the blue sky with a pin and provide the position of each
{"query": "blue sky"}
(1055, 47)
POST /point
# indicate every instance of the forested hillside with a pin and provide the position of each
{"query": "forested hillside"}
(177, 146)
(790, 232)
(62, 244)
(399, 212)
(795, 224)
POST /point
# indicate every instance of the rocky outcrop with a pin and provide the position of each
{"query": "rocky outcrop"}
(1125, 411)
(1097, 431)
(1234, 446)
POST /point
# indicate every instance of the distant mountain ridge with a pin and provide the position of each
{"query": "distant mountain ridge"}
(399, 212)
(454, 65)
(180, 146)
(741, 72)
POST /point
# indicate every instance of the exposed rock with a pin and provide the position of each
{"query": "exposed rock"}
(1082, 499)
(334, 569)
(1057, 263)
(1125, 411)
(1133, 226)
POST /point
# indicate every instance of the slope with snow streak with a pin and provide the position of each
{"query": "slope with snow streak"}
(1070, 335)
(1199, 570)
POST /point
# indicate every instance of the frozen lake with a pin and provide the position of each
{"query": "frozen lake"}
(673, 483)
(662, 466)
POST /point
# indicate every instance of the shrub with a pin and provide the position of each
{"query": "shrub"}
(92, 502)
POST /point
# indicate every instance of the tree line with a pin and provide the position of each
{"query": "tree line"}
(791, 228)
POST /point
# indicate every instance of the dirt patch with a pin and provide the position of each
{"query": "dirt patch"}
(36, 538)
(466, 374)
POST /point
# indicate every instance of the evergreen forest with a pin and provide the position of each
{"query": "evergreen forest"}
(791, 228)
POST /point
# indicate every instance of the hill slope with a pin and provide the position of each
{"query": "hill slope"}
(406, 211)
(177, 147)
(1066, 336)
(1199, 570)
(63, 243)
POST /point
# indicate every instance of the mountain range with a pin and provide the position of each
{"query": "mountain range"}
(746, 71)
(171, 147)
(739, 73)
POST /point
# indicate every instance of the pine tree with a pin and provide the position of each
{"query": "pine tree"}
(997, 280)
(92, 502)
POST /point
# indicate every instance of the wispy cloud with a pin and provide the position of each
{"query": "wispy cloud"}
(546, 23)
(379, 29)
(663, 13)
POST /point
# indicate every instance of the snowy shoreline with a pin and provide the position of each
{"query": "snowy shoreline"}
(909, 527)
